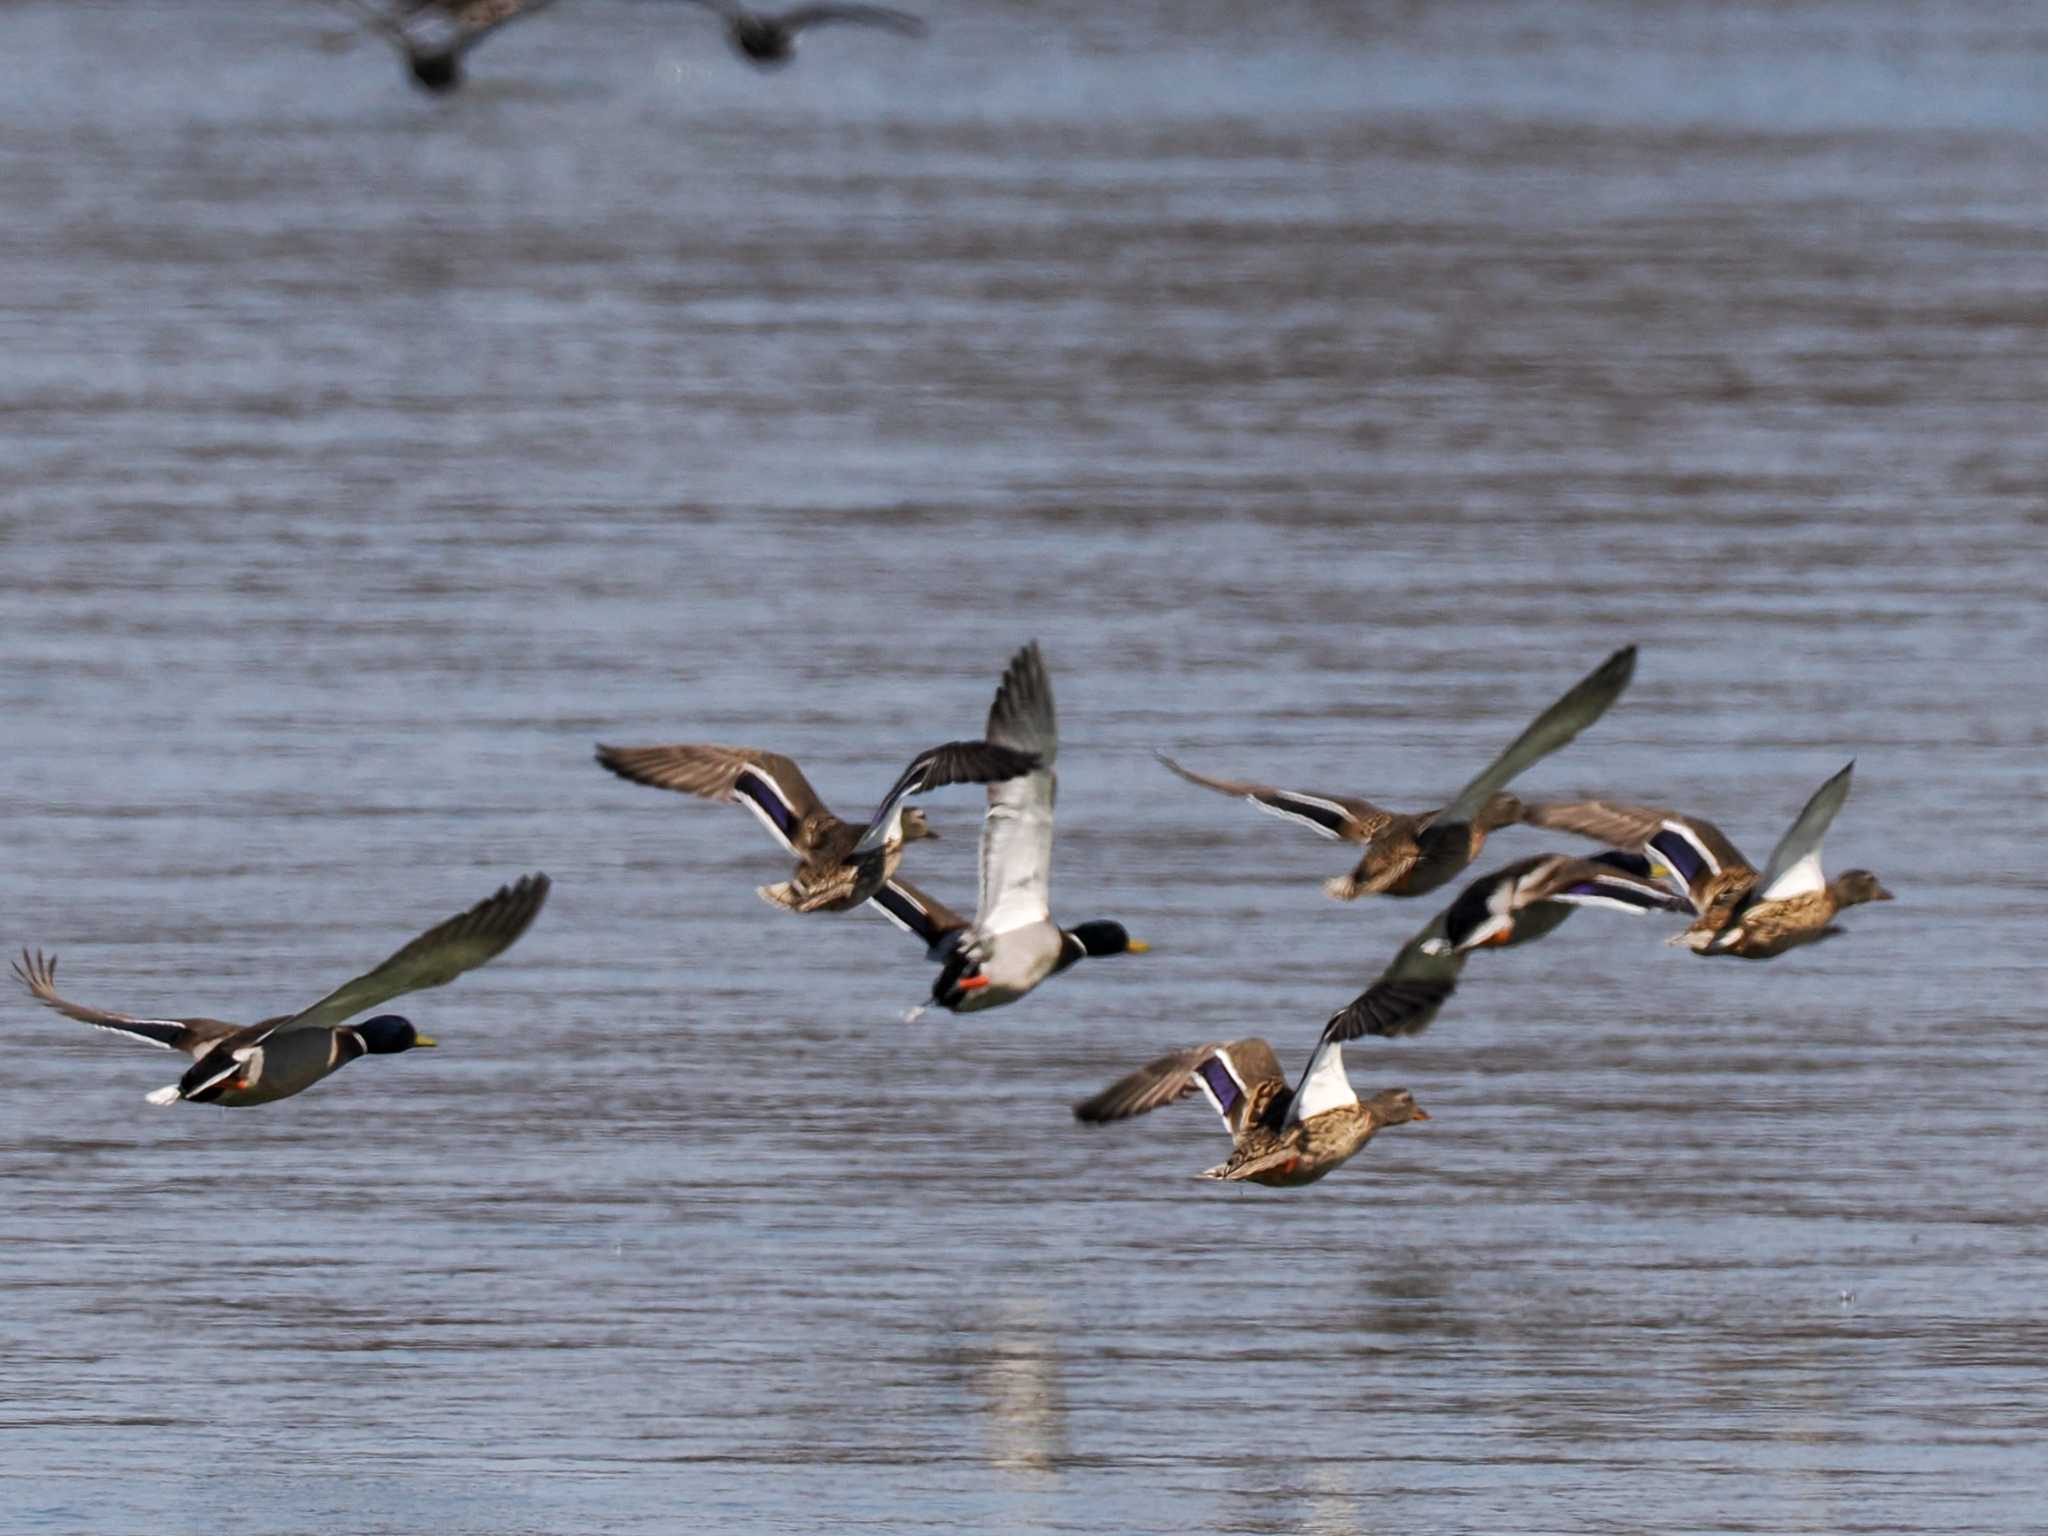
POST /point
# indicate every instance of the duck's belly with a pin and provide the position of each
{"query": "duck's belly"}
(1765, 947)
(1289, 1175)
(284, 1065)
(1020, 960)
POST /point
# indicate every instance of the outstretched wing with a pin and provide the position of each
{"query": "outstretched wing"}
(1226, 1074)
(433, 959)
(863, 15)
(1579, 708)
(1621, 881)
(1404, 1000)
(1794, 868)
(480, 18)
(916, 913)
(766, 783)
(1324, 1083)
(1343, 817)
(954, 762)
(1694, 849)
(39, 974)
(1523, 901)
(1016, 834)
(381, 21)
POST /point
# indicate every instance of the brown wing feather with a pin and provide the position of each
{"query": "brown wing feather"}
(1172, 1077)
(480, 18)
(38, 973)
(710, 771)
(1355, 820)
(866, 15)
(1628, 826)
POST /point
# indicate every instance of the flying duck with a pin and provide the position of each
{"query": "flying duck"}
(239, 1065)
(1280, 1136)
(1737, 911)
(1013, 943)
(769, 40)
(1411, 855)
(434, 54)
(840, 864)
(1514, 905)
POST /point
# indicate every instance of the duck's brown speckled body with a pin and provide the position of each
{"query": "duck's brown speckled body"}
(1769, 928)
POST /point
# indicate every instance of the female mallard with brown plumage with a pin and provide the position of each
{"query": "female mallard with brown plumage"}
(240, 1065)
(840, 864)
(1281, 1136)
(1514, 905)
(1413, 854)
(1739, 911)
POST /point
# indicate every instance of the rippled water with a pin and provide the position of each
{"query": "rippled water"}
(1325, 387)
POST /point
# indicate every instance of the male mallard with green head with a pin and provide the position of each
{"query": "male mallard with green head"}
(1013, 943)
(238, 1065)
(1411, 855)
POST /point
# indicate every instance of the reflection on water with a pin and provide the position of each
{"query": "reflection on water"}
(1323, 386)
(1016, 1376)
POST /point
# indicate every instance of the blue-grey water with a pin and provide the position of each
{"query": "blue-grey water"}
(1325, 386)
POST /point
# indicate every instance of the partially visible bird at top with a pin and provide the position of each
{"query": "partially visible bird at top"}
(1413, 854)
(434, 51)
(769, 40)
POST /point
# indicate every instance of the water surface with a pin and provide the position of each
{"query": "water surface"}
(1325, 387)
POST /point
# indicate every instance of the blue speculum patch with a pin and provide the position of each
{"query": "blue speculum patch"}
(1679, 854)
(762, 793)
(1220, 1082)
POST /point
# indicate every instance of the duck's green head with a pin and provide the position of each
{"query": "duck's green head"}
(388, 1034)
(1106, 938)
